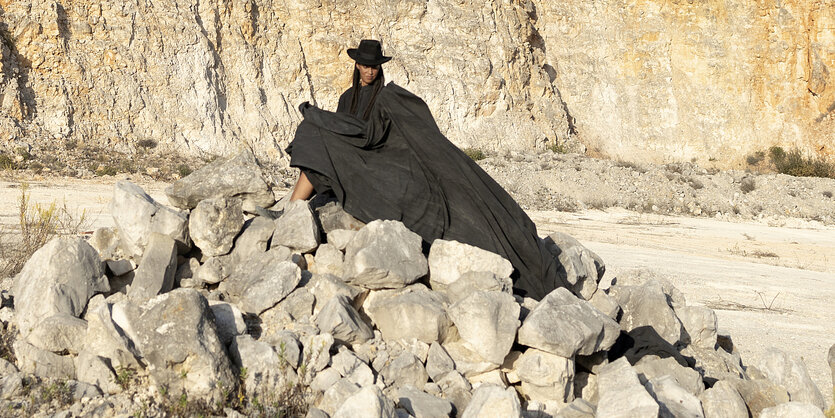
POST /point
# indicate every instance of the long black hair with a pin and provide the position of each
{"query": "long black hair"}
(378, 84)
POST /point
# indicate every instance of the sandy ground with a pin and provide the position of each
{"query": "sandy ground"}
(769, 285)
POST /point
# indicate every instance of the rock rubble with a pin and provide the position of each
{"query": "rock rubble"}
(368, 326)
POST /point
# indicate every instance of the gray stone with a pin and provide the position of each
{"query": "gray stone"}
(792, 409)
(831, 358)
(593, 362)
(456, 389)
(564, 325)
(253, 239)
(581, 269)
(326, 286)
(412, 312)
(384, 254)
(606, 304)
(759, 394)
(340, 319)
(288, 347)
(673, 400)
(700, 323)
(545, 376)
(120, 267)
(494, 377)
(94, 370)
(326, 379)
(316, 413)
(82, 390)
(405, 369)
(340, 238)
(58, 333)
(368, 402)
(653, 367)
(723, 401)
(621, 393)
(328, 260)
(336, 395)
(578, 408)
(487, 322)
(334, 218)
(352, 368)
(585, 387)
(294, 313)
(422, 405)
(468, 362)
(136, 215)
(214, 224)
(419, 348)
(449, 260)
(155, 274)
(266, 373)
(186, 269)
(316, 353)
(11, 385)
(175, 335)
(106, 242)
(211, 271)
(472, 281)
(43, 363)
(229, 321)
(107, 339)
(7, 367)
(296, 228)
(714, 364)
(647, 306)
(790, 373)
(59, 278)
(493, 401)
(438, 362)
(236, 176)
(262, 281)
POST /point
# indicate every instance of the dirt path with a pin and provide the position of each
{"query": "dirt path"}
(769, 285)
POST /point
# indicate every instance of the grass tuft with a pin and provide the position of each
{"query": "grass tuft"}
(474, 153)
(748, 185)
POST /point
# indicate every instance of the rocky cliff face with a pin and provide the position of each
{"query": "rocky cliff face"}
(647, 79)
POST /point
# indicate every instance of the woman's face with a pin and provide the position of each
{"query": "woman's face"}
(368, 73)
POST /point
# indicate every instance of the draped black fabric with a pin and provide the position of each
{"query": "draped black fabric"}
(398, 165)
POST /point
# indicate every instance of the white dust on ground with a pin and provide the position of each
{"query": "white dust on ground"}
(769, 285)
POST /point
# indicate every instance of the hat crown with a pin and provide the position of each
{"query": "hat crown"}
(369, 52)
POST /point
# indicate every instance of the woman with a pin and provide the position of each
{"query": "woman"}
(385, 158)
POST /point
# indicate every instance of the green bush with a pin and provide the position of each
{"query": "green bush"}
(474, 153)
(794, 163)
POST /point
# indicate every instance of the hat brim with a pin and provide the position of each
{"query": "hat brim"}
(353, 53)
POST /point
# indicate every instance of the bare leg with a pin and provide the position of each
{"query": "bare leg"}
(303, 189)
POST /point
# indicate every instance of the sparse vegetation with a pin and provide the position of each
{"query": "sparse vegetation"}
(794, 163)
(6, 162)
(146, 143)
(827, 194)
(183, 170)
(558, 148)
(7, 337)
(755, 158)
(474, 153)
(36, 226)
(630, 165)
(830, 413)
(124, 377)
(748, 185)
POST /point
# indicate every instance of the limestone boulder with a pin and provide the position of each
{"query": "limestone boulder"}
(328, 260)
(790, 372)
(468, 362)
(58, 333)
(136, 215)
(673, 400)
(156, 271)
(546, 376)
(487, 321)
(336, 394)
(94, 370)
(340, 238)
(792, 409)
(176, 336)
(438, 362)
(237, 176)
(339, 318)
(262, 281)
(621, 393)
(59, 278)
(105, 338)
(266, 372)
(384, 254)
(296, 228)
(647, 305)
(229, 320)
(412, 312)
(760, 394)
(368, 402)
(420, 404)
(253, 238)
(653, 367)
(405, 370)
(715, 364)
(349, 366)
(333, 217)
(723, 401)
(472, 281)
(214, 223)
(565, 325)
(448, 260)
(493, 401)
(42, 363)
(700, 323)
(327, 286)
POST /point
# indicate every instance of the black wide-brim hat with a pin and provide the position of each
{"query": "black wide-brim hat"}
(370, 52)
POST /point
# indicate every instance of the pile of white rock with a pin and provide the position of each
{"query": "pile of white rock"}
(209, 296)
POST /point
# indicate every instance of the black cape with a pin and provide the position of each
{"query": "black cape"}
(399, 166)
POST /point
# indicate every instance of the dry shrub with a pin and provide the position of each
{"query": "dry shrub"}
(36, 226)
(474, 153)
(794, 163)
(748, 185)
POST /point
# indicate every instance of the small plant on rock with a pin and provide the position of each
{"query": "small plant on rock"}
(748, 185)
(474, 153)
(794, 163)
(124, 377)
